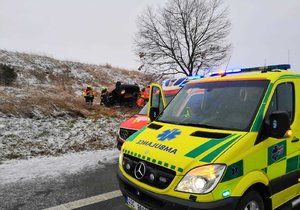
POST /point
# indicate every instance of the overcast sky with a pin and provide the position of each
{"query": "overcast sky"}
(101, 31)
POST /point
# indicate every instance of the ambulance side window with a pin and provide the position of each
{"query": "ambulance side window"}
(283, 100)
(157, 99)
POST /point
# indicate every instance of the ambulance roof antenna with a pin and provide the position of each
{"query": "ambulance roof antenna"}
(228, 63)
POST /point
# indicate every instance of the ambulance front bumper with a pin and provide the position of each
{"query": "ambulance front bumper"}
(154, 201)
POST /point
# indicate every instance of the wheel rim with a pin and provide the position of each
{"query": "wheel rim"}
(252, 205)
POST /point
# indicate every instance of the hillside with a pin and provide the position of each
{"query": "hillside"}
(43, 113)
(49, 87)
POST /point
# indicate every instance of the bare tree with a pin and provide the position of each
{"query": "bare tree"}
(185, 36)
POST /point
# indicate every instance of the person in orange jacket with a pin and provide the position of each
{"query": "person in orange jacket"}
(143, 97)
(88, 94)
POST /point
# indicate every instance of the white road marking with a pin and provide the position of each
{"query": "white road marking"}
(87, 201)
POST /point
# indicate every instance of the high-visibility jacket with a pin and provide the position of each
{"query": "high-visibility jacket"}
(142, 94)
(87, 92)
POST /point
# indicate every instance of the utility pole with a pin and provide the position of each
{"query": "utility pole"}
(265, 61)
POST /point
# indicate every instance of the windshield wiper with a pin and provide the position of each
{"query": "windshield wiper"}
(204, 126)
(194, 125)
(163, 121)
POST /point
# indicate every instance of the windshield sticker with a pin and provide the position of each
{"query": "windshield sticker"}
(276, 152)
(169, 134)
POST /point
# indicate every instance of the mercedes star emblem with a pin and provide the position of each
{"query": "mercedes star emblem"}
(140, 170)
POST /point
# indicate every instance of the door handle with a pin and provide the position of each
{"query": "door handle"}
(295, 139)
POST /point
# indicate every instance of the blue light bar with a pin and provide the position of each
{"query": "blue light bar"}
(194, 77)
(268, 68)
(189, 78)
(252, 69)
(233, 71)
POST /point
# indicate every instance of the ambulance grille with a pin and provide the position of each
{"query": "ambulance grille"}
(155, 175)
(125, 133)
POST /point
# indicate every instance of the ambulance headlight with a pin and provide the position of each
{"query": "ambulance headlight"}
(201, 180)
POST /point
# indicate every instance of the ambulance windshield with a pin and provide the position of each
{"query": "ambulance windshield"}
(228, 105)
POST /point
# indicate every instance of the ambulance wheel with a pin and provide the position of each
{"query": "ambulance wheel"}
(251, 201)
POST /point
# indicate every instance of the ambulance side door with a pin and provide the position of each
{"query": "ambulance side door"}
(282, 160)
(157, 101)
(296, 138)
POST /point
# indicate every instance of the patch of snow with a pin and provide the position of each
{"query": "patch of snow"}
(25, 137)
(81, 75)
(78, 92)
(12, 94)
(57, 71)
(23, 170)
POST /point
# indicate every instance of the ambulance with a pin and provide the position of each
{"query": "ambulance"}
(229, 141)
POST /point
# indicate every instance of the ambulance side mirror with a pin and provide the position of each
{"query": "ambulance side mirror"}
(153, 113)
(157, 101)
(279, 124)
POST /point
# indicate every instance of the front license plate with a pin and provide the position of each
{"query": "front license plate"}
(133, 204)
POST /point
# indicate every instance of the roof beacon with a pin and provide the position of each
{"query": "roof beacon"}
(262, 69)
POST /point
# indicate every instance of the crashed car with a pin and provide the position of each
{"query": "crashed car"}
(123, 95)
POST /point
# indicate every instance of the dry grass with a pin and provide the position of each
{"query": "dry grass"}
(3, 96)
(8, 108)
(58, 102)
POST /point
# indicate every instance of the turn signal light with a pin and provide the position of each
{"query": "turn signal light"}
(288, 134)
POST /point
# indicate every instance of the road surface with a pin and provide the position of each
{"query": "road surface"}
(91, 189)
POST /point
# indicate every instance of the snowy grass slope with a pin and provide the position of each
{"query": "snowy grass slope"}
(46, 86)
(39, 70)
(22, 138)
(43, 113)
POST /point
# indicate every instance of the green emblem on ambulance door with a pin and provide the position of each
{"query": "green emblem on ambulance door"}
(276, 152)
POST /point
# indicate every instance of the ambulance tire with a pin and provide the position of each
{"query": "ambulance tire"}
(251, 196)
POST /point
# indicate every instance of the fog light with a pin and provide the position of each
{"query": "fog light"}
(152, 177)
(127, 166)
(162, 179)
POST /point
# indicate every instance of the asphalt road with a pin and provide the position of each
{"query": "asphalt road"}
(51, 192)
(46, 193)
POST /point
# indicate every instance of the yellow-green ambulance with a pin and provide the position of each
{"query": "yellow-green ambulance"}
(227, 142)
